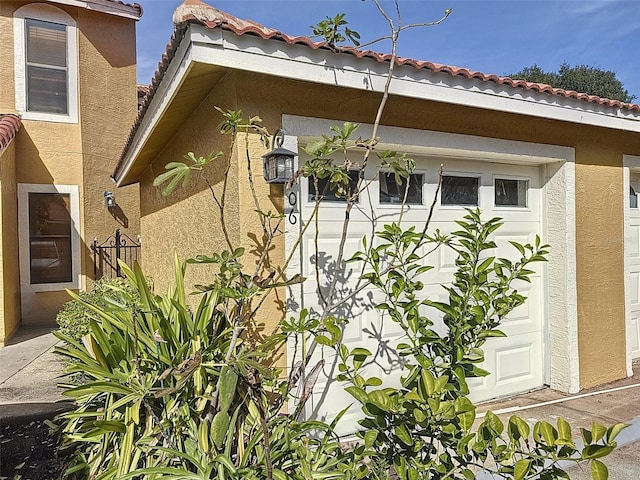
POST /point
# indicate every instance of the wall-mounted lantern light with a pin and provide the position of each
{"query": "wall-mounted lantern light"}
(109, 199)
(278, 163)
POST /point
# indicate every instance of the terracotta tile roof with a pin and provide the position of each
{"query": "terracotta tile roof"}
(137, 6)
(196, 11)
(200, 13)
(143, 91)
(9, 126)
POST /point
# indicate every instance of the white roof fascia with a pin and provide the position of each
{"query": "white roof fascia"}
(301, 62)
(103, 6)
(167, 90)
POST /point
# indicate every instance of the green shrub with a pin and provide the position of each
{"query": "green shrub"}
(424, 428)
(75, 315)
(174, 392)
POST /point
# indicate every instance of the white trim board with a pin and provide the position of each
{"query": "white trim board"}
(629, 162)
(103, 6)
(300, 62)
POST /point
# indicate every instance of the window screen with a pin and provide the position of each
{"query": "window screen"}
(326, 193)
(459, 190)
(510, 193)
(50, 238)
(46, 55)
(391, 192)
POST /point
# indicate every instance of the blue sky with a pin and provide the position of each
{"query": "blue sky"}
(492, 36)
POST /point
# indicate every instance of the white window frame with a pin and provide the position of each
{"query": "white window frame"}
(45, 13)
(24, 189)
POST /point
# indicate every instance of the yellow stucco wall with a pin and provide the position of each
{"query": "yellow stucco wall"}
(269, 199)
(108, 107)
(599, 195)
(7, 88)
(9, 266)
(188, 221)
(84, 153)
(600, 265)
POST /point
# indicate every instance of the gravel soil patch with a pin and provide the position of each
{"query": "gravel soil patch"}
(29, 452)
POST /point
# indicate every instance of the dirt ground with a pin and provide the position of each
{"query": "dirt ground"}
(28, 452)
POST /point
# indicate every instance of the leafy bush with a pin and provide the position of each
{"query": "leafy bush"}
(74, 316)
(175, 393)
(423, 429)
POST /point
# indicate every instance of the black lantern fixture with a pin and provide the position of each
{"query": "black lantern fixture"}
(278, 163)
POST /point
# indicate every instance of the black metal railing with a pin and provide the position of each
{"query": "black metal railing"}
(119, 246)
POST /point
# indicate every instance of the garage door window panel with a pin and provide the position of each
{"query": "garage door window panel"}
(460, 191)
(326, 193)
(510, 192)
(392, 193)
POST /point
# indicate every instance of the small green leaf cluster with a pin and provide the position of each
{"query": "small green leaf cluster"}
(179, 173)
(233, 121)
(334, 31)
(231, 281)
(537, 452)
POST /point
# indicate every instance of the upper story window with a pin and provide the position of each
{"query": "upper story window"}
(46, 64)
(47, 86)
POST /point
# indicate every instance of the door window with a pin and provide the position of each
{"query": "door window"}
(50, 238)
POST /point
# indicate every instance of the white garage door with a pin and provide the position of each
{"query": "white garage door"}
(634, 266)
(508, 191)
